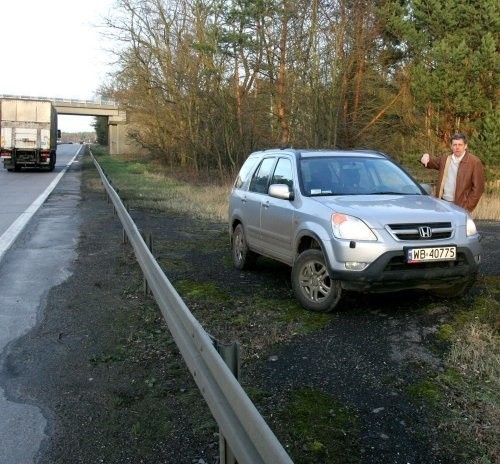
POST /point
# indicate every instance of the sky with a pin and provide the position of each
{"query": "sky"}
(54, 48)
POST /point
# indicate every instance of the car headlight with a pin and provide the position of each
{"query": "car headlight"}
(471, 227)
(350, 228)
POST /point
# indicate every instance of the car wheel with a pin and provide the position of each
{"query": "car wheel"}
(313, 286)
(243, 258)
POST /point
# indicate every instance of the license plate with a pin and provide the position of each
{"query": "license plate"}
(422, 255)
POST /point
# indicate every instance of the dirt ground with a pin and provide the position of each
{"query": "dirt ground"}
(104, 369)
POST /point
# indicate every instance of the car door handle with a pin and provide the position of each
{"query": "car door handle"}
(265, 205)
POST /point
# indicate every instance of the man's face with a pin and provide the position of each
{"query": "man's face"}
(458, 147)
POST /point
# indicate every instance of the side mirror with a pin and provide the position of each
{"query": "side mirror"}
(59, 133)
(280, 191)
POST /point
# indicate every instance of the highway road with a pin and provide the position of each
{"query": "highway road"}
(36, 252)
(23, 193)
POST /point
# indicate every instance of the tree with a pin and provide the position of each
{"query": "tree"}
(208, 81)
(454, 51)
(100, 126)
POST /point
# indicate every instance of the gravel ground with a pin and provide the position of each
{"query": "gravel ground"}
(106, 373)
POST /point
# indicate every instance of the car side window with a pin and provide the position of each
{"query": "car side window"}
(260, 180)
(283, 173)
(245, 170)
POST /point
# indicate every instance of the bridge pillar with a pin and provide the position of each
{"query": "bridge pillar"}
(117, 133)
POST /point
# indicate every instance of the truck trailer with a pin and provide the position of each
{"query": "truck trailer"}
(28, 134)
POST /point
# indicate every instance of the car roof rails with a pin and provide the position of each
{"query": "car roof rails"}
(369, 150)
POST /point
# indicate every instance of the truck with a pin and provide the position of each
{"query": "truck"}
(28, 134)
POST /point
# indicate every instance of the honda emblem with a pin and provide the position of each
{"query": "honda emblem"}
(425, 231)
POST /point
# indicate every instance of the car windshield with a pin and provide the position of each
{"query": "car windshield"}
(355, 176)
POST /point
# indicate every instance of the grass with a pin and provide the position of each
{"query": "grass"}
(290, 312)
(256, 321)
(488, 208)
(145, 185)
(316, 428)
(466, 394)
(194, 289)
(470, 384)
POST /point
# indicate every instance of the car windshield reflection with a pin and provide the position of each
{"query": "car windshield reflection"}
(323, 176)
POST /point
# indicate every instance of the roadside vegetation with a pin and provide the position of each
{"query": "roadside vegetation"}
(144, 184)
(475, 356)
(467, 392)
(465, 395)
(204, 83)
(147, 183)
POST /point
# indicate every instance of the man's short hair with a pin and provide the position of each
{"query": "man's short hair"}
(459, 137)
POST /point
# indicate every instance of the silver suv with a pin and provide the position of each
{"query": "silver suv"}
(352, 220)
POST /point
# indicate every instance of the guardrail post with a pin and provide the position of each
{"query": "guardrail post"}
(149, 242)
(230, 354)
(125, 237)
(114, 207)
(144, 280)
(148, 239)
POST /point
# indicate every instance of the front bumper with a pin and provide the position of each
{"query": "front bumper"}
(390, 272)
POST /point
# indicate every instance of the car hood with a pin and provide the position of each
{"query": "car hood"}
(378, 210)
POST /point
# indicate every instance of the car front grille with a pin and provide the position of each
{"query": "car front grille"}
(398, 263)
(421, 231)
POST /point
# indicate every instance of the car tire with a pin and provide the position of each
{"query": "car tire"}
(313, 286)
(243, 257)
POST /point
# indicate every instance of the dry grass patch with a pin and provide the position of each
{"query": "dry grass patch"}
(476, 353)
(157, 189)
(471, 382)
(145, 185)
(488, 207)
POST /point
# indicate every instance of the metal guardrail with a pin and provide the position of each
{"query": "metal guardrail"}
(249, 437)
(73, 101)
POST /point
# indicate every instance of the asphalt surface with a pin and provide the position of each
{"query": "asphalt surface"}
(38, 261)
(65, 402)
(490, 240)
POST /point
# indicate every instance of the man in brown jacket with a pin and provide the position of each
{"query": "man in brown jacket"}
(461, 174)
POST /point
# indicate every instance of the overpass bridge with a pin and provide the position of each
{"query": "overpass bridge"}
(117, 118)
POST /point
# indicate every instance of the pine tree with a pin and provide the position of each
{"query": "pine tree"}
(454, 51)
